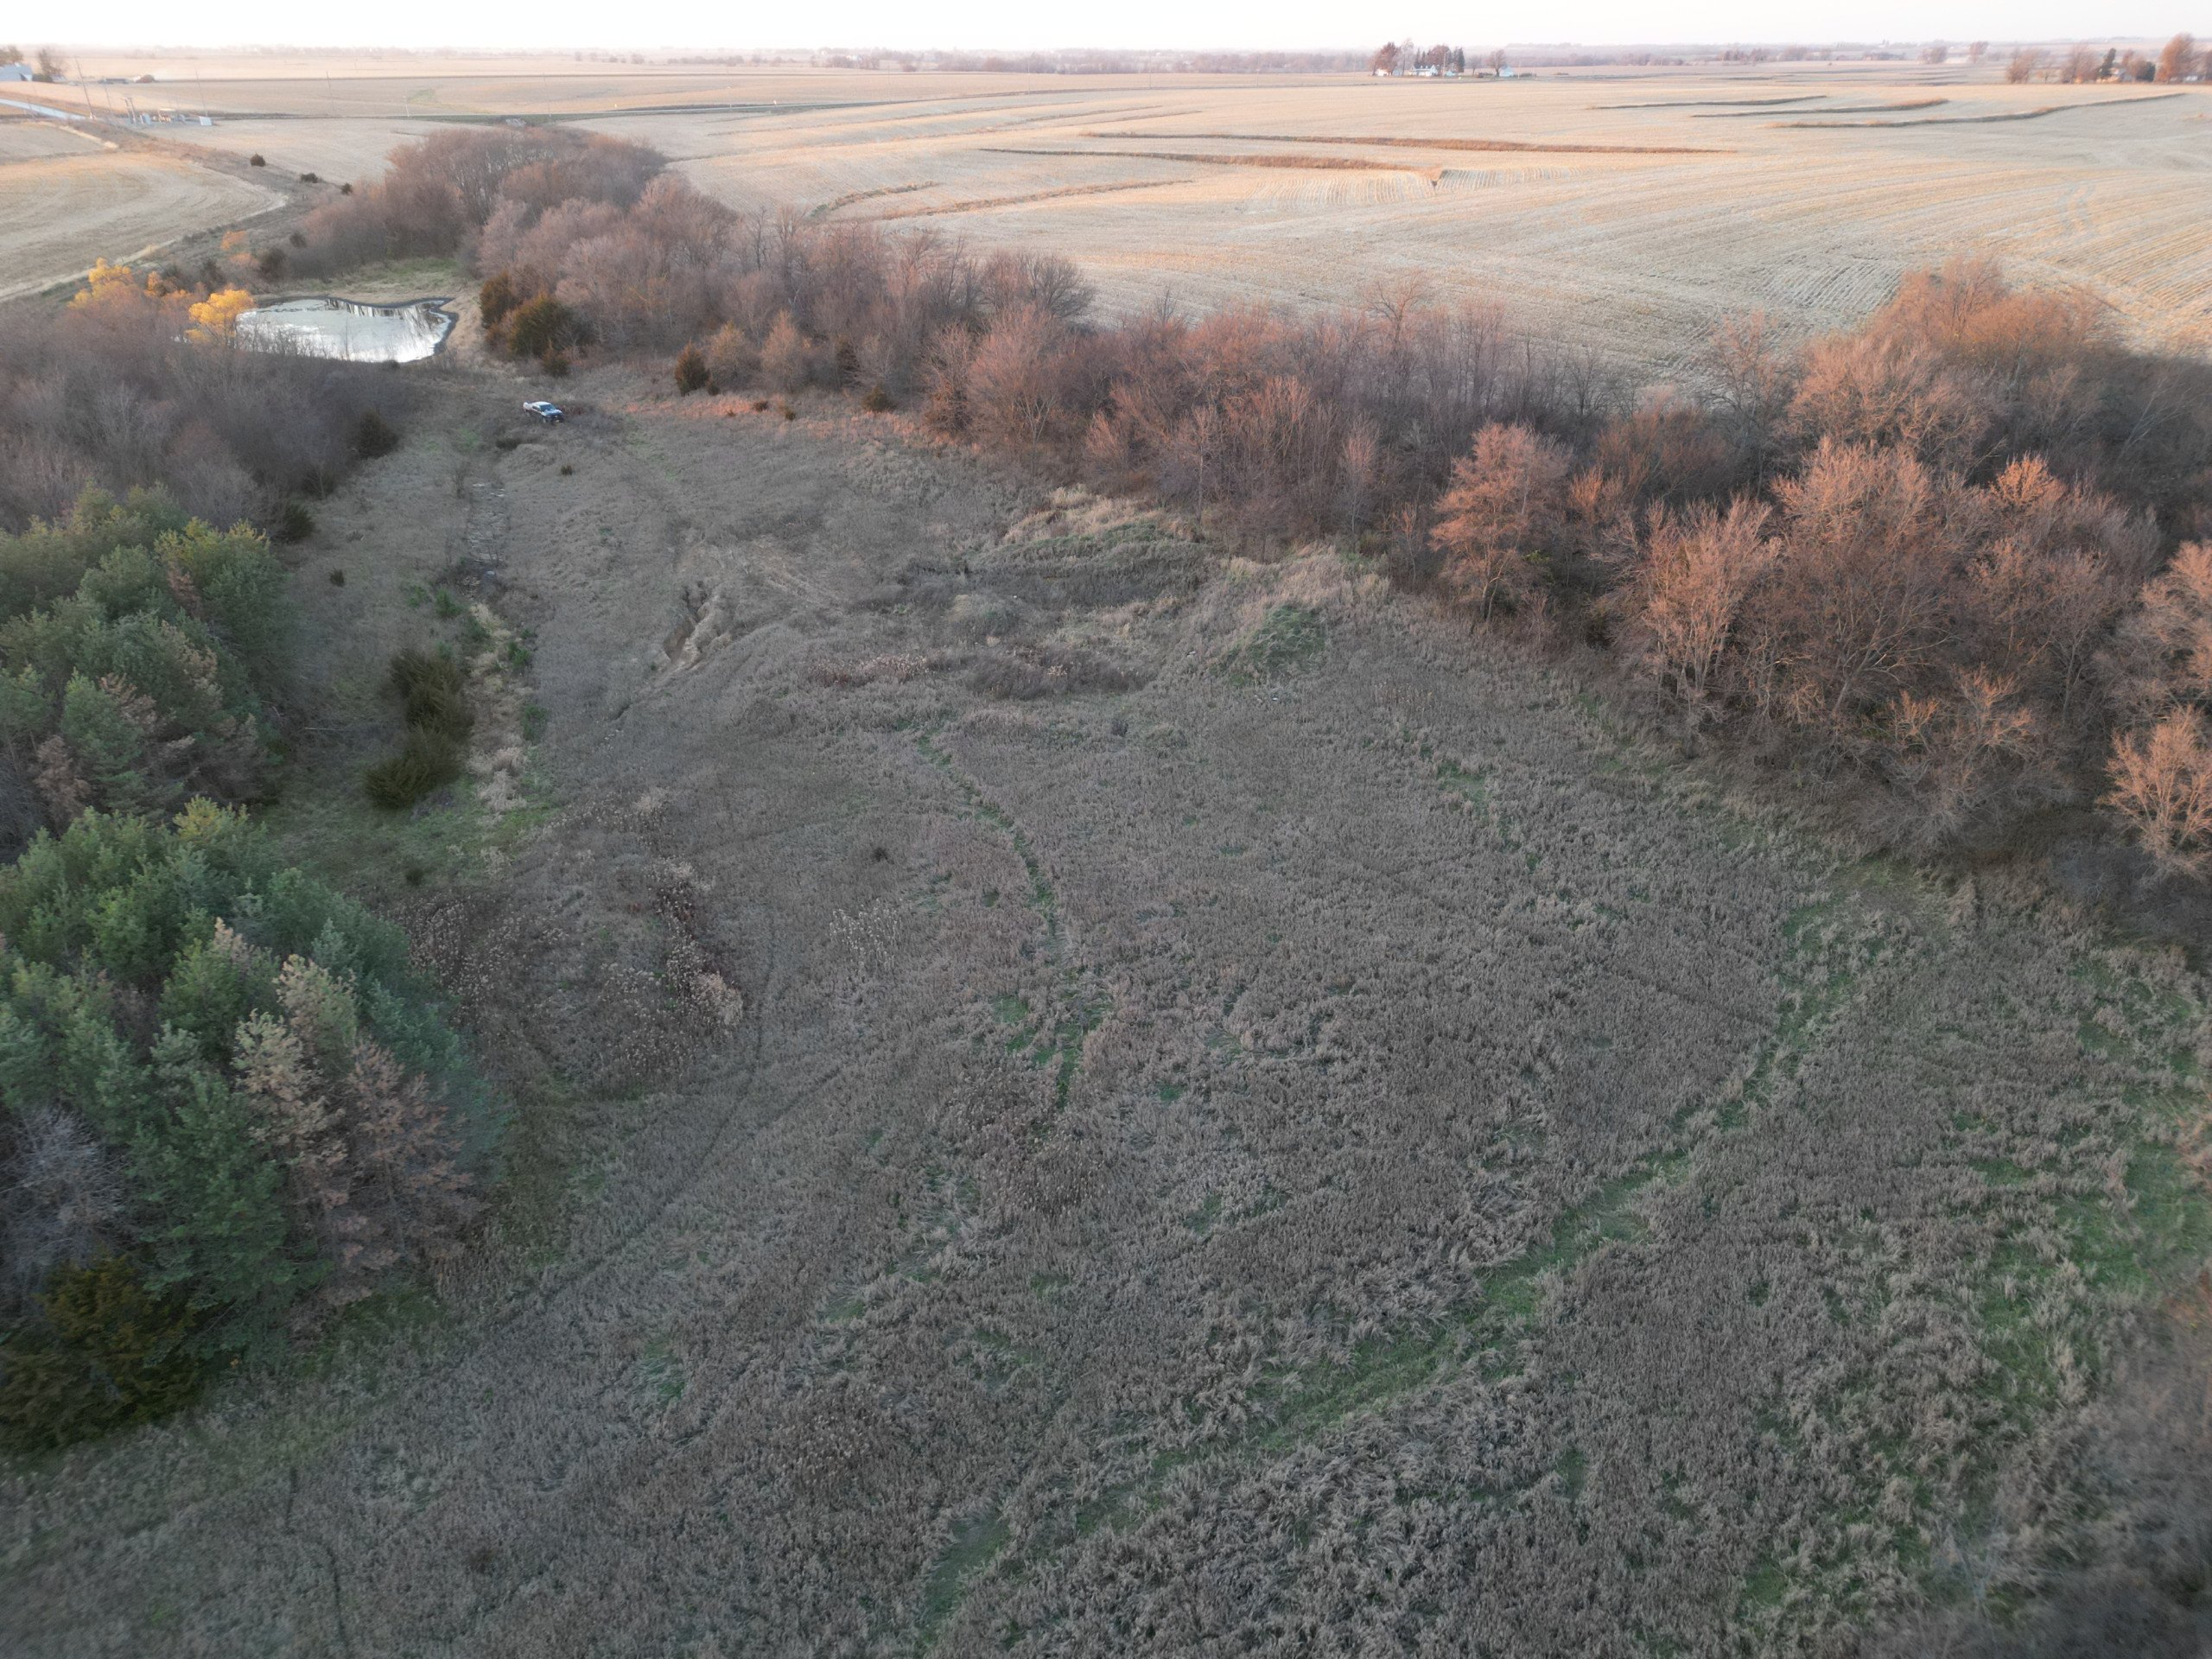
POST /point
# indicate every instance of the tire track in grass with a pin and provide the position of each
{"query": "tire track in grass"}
(1061, 1041)
(1292, 1406)
(978, 1539)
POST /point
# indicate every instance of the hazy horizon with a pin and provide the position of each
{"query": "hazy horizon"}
(995, 25)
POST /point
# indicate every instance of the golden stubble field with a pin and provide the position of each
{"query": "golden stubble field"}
(1621, 212)
(67, 197)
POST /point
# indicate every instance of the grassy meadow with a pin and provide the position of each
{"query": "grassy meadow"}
(1119, 1099)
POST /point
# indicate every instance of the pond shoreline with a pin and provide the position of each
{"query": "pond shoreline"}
(286, 325)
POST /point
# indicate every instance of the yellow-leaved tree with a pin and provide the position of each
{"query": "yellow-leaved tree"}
(107, 284)
(216, 317)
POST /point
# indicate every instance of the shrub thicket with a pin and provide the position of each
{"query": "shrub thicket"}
(425, 763)
(495, 299)
(438, 192)
(542, 328)
(139, 384)
(434, 696)
(104, 1353)
(264, 1093)
(296, 522)
(374, 436)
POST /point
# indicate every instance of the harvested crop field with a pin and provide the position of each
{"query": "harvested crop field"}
(1627, 230)
(30, 141)
(1619, 211)
(337, 150)
(1094, 1097)
(65, 201)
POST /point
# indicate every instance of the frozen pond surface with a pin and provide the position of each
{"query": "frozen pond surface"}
(321, 326)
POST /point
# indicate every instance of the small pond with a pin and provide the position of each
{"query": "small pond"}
(323, 325)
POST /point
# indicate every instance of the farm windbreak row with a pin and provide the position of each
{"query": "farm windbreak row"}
(1950, 567)
(233, 1107)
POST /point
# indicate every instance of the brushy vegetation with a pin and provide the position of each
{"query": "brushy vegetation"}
(139, 383)
(231, 1107)
(426, 761)
(374, 436)
(434, 700)
(1369, 1157)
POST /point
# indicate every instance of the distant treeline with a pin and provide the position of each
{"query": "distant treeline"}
(1098, 62)
(1951, 565)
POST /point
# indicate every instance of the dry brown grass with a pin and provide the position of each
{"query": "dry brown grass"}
(1317, 1140)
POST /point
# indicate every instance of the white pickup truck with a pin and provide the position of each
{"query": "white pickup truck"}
(549, 413)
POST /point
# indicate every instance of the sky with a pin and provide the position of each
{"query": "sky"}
(1024, 24)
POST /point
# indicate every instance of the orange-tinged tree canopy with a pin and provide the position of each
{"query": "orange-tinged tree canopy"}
(216, 317)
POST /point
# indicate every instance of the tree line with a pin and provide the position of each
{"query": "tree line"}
(2179, 60)
(229, 1107)
(1948, 566)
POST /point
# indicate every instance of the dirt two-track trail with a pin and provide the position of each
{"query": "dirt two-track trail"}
(1115, 1099)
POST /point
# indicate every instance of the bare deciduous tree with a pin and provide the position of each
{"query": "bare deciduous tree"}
(2161, 657)
(2161, 789)
(1695, 571)
(1500, 514)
